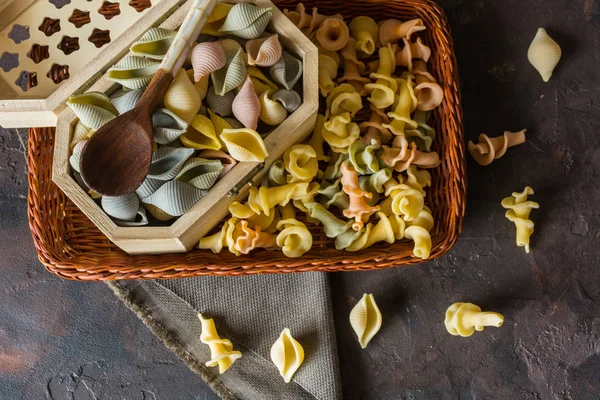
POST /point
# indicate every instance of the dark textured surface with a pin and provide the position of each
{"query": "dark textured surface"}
(65, 340)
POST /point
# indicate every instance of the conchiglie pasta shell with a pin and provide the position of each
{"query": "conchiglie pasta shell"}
(289, 99)
(226, 160)
(133, 72)
(157, 213)
(287, 354)
(202, 85)
(259, 80)
(201, 134)
(244, 144)
(207, 57)
(93, 109)
(216, 19)
(264, 52)
(287, 71)
(246, 21)
(182, 97)
(246, 106)
(174, 198)
(221, 105)
(167, 162)
(200, 173)
(544, 54)
(365, 319)
(167, 126)
(233, 73)
(76, 155)
(80, 133)
(271, 112)
(154, 43)
(148, 187)
(127, 101)
(124, 208)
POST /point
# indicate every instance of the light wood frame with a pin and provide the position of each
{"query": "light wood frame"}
(185, 232)
(43, 112)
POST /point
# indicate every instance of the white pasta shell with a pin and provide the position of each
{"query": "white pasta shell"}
(244, 144)
(287, 71)
(148, 187)
(154, 43)
(80, 133)
(220, 105)
(264, 52)
(76, 155)
(126, 101)
(140, 219)
(133, 72)
(175, 197)
(207, 57)
(365, 319)
(246, 106)
(287, 354)
(93, 109)
(168, 161)
(271, 112)
(290, 99)
(124, 208)
(167, 126)
(544, 54)
(246, 21)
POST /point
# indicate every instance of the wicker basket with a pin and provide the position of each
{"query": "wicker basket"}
(70, 246)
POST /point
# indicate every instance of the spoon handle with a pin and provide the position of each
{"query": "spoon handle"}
(187, 34)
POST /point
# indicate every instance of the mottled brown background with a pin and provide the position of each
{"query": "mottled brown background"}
(64, 340)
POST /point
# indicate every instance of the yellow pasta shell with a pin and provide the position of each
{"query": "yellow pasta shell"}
(244, 144)
(182, 97)
(201, 134)
(271, 112)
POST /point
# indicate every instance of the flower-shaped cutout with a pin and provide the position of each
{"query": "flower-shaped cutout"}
(27, 80)
(19, 33)
(9, 61)
(140, 5)
(38, 53)
(50, 26)
(79, 18)
(58, 73)
(109, 10)
(68, 44)
(99, 37)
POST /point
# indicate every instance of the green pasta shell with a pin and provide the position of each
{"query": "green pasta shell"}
(126, 101)
(133, 72)
(93, 109)
(175, 197)
(233, 73)
(200, 173)
(154, 44)
(123, 208)
(167, 126)
(167, 162)
(246, 21)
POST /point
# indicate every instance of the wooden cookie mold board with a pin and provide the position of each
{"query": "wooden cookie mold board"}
(183, 234)
(51, 49)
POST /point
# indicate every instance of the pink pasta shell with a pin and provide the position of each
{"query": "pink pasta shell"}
(264, 52)
(246, 105)
(207, 57)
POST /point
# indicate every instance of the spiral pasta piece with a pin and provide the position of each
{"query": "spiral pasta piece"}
(393, 30)
(382, 91)
(341, 99)
(340, 132)
(332, 226)
(93, 109)
(133, 72)
(352, 77)
(207, 57)
(465, 318)
(363, 157)
(489, 149)
(402, 200)
(333, 34)
(400, 158)
(358, 207)
(294, 239)
(246, 21)
(301, 162)
(428, 92)
(333, 195)
(518, 212)
(328, 68)
(407, 103)
(366, 32)
(221, 350)
(263, 200)
(375, 129)
(424, 135)
(316, 139)
(246, 106)
(154, 43)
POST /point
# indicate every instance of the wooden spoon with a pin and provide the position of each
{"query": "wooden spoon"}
(116, 159)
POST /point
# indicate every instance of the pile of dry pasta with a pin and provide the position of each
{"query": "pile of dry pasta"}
(238, 83)
(363, 183)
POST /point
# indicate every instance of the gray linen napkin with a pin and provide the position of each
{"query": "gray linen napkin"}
(250, 311)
